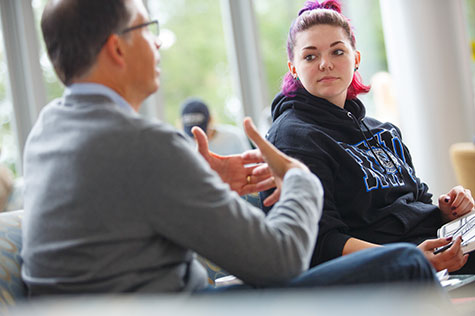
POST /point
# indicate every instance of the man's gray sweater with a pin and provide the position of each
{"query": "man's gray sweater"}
(117, 203)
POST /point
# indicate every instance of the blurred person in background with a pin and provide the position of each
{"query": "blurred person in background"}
(223, 139)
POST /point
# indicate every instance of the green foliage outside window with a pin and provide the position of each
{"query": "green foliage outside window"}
(274, 18)
(196, 63)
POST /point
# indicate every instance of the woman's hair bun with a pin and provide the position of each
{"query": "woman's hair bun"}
(328, 4)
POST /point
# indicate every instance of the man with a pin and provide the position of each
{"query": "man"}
(222, 139)
(116, 203)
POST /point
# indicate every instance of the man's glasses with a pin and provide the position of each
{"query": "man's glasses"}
(152, 26)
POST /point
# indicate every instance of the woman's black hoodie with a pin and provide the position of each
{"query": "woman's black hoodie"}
(371, 191)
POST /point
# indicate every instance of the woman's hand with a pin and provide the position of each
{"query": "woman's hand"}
(451, 259)
(456, 203)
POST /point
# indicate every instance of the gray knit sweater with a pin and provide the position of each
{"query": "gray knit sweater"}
(117, 203)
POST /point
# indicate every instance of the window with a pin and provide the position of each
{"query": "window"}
(8, 145)
(54, 87)
(193, 57)
(273, 19)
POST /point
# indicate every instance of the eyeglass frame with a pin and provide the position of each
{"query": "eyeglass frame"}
(135, 27)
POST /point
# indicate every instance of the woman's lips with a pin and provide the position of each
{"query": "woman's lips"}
(327, 79)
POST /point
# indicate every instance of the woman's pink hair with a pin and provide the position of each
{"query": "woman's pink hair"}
(314, 13)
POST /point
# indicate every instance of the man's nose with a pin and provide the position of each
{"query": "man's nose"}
(158, 43)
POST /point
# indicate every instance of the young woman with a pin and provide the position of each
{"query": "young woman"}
(372, 195)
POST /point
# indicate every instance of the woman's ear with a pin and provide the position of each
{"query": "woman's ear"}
(115, 49)
(357, 59)
(292, 69)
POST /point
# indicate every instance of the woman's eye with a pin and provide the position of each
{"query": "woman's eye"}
(309, 57)
(338, 52)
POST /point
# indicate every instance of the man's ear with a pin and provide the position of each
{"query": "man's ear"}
(114, 48)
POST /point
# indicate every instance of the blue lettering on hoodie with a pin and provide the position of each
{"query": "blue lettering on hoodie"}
(385, 170)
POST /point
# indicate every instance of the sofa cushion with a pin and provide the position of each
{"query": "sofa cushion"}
(12, 287)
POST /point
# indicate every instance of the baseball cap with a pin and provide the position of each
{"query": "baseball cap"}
(194, 112)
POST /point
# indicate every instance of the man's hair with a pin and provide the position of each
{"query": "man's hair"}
(74, 32)
(327, 13)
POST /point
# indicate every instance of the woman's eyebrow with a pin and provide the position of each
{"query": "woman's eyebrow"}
(336, 43)
(309, 47)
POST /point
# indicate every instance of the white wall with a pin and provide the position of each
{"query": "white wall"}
(429, 57)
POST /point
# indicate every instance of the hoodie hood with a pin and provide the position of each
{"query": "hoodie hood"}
(318, 109)
(349, 120)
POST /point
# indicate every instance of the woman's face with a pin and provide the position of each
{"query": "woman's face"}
(324, 62)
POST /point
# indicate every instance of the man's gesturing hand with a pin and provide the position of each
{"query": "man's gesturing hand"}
(278, 162)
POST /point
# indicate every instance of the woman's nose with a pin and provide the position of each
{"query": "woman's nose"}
(324, 64)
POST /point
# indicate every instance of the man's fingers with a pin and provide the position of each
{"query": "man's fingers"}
(201, 141)
(252, 156)
(273, 198)
(261, 171)
(257, 184)
(266, 148)
(278, 162)
(266, 184)
(257, 173)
